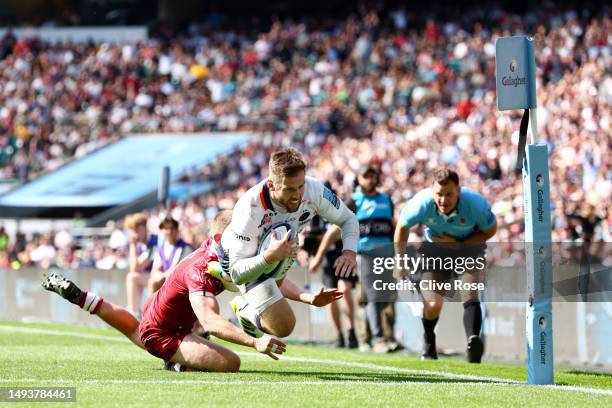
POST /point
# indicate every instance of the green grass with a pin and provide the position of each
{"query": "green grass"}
(111, 372)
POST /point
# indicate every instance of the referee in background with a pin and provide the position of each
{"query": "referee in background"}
(375, 213)
(458, 221)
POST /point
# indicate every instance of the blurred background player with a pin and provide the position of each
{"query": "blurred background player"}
(451, 215)
(171, 249)
(165, 330)
(375, 212)
(326, 248)
(141, 249)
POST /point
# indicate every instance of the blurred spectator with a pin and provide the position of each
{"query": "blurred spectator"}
(118, 239)
(43, 255)
(141, 250)
(4, 240)
(63, 239)
(171, 249)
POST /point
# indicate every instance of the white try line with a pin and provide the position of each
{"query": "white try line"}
(471, 379)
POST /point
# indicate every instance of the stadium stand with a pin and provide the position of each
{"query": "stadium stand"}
(406, 93)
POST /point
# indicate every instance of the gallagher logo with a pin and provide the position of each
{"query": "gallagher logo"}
(304, 216)
(513, 65)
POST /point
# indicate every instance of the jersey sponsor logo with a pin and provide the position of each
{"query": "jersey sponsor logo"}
(304, 216)
(374, 205)
(331, 197)
(375, 228)
(265, 220)
(241, 237)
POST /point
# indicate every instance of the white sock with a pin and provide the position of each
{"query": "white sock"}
(91, 302)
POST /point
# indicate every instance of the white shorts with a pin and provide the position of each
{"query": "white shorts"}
(264, 295)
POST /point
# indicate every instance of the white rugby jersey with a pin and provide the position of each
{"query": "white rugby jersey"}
(255, 213)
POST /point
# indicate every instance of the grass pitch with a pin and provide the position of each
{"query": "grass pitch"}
(107, 371)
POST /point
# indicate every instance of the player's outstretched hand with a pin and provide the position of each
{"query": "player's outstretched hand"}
(345, 264)
(270, 346)
(325, 297)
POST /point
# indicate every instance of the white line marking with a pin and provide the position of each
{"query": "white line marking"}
(370, 366)
(62, 333)
(307, 382)
(477, 380)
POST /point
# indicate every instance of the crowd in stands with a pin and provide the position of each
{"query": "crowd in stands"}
(406, 94)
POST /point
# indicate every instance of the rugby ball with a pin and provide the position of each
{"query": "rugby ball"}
(281, 267)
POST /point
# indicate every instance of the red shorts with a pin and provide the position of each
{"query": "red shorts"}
(159, 342)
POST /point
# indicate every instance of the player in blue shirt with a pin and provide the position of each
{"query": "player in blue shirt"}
(375, 213)
(450, 214)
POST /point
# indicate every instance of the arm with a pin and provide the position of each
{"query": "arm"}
(410, 216)
(481, 236)
(332, 209)
(332, 235)
(203, 308)
(486, 223)
(400, 239)
(240, 242)
(249, 269)
(325, 296)
(336, 212)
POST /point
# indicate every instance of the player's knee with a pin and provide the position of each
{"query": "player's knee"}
(283, 327)
(286, 327)
(279, 319)
(231, 363)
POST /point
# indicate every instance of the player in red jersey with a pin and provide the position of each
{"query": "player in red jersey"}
(187, 297)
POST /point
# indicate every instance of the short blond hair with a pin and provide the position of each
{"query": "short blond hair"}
(221, 221)
(286, 162)
(134, 220)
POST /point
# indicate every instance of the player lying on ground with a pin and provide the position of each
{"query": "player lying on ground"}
(187, 297)
(287, 198)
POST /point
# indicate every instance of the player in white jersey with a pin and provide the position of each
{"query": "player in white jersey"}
(286, 197)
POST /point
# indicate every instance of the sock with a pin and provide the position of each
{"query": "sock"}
(90, 302)
(472, 318)
(429, 327)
